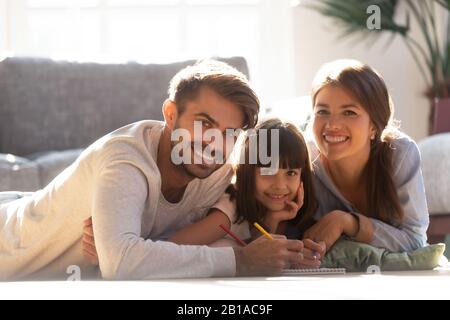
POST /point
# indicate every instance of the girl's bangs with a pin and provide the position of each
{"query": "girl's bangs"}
(292, 152)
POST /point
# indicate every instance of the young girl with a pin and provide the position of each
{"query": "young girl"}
(281, 201)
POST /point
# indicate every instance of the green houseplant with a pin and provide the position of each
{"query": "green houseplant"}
(432, 54)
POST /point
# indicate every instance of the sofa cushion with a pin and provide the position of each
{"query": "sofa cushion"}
(52, 163)
(18, 173)
(435, 152)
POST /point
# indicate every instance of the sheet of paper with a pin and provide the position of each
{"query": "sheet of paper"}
(321, 271)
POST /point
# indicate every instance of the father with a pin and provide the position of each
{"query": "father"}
(137, 196)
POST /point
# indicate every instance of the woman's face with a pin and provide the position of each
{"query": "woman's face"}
(273, 190)
(342, 128)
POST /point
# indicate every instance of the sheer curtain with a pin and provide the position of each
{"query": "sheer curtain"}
(157, 31)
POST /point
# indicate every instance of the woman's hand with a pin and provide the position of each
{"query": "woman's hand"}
(312, 254)
(88, 242)
(273, 218)
(331, 226)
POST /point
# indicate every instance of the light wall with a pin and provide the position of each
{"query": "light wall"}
(3, 24)
(317, 41)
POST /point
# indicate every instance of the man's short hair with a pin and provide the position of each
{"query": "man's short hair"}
(220, 77)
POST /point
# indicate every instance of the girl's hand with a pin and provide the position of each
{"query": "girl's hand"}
(329, 228)
(273, 218)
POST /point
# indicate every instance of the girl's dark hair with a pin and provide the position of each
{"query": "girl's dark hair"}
(293, 154)
(369, 89)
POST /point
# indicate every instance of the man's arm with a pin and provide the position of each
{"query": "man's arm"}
(119, 202)
(120, 198)
(204, 232)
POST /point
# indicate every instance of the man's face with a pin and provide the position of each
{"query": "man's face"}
(210, 111)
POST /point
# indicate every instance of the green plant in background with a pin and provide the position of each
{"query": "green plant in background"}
(433, 58)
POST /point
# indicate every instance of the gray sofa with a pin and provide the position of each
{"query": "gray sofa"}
(50, 111)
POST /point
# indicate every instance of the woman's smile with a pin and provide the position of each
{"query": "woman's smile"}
(335, 139)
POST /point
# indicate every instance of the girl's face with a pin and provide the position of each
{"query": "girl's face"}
(272, 191)
(341, 126)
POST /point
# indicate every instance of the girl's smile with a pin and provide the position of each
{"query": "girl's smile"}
(273, 191)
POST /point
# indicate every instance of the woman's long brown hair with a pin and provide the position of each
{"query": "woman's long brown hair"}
(293, 154)
(369, 89)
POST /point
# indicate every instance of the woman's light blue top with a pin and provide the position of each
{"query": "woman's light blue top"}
(411, 233)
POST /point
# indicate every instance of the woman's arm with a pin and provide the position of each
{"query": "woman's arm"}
(336, 223)
(409, 235)
(203, 232)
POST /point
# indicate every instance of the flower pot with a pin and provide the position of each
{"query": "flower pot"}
(441, 116)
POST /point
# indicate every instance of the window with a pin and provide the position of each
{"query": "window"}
(157, 31)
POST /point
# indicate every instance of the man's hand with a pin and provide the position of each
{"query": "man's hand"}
(268, 257)
(88, 242)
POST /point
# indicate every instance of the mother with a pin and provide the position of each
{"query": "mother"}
(367, 173)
